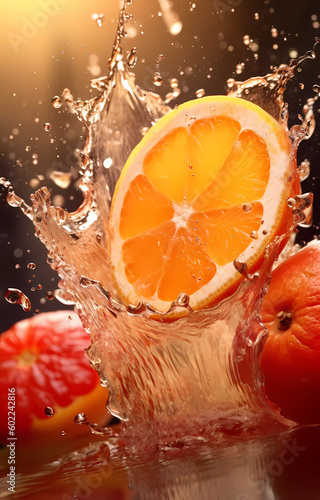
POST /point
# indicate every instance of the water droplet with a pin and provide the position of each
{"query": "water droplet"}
(13, 200)
(61, 179)
(304, 170)
(132, 57)
(96, 429)
(68, 97)
(274, 32)
(49, 411)
(240, 266)
(246, 207)
(64, 297)
(47, 127)
(15, 296)
(17, 266)
(31, 265)
(256, 16)
(316, 88)
(56, 102)
(107, 163)
(200, 93)
(81, 418)
(144, 130)
(246, 39)
(157, 79)
(50, 295)
(239, 68)
(303, 209)
(99, 18)
(293, 53)
(174, 83)
(28, 148)
(254, 235)
(230, 83)
(175, 27)
(183, 300)
(291, 202)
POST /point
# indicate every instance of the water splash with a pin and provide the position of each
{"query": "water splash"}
(196, 375)
(82, 419)
(267, 92)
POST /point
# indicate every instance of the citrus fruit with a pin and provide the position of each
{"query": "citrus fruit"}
(43, 371)
(206, 185)
(290, 359)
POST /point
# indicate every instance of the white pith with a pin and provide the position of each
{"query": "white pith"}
(181, 215)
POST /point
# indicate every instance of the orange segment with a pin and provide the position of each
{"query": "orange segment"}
(167, 164)
(160, 271)
(210, 144)
(191, 200)
(143, 208)
(242, 178)
(178, 165)
(143, 258)
(226, 233)
(187, 267)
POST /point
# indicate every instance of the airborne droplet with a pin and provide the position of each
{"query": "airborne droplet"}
(304, 170)
(81, 418)
(200, 93)
(49, 411)
(157, 79)
(174, 83)
(132, 57)
(56, 102)
(61, 179)
(316, 88)
(15, 296)
(98, 18)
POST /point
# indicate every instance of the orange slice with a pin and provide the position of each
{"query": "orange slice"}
(206, 185)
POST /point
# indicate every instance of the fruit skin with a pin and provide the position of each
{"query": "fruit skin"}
(290, 359)
(64, 329)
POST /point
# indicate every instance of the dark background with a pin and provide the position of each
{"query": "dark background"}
(57, 55)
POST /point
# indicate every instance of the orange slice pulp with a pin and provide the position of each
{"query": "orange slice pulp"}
(207, 184)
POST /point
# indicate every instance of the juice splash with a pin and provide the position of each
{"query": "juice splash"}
(197, 375)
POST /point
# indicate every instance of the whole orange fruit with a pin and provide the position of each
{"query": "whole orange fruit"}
(45, 380)
(290, 359)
